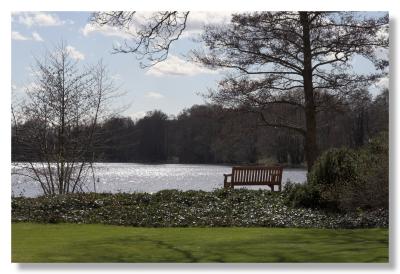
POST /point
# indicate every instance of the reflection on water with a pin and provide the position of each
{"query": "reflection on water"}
(128, 177)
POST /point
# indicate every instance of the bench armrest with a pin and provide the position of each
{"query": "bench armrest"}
(226, 183)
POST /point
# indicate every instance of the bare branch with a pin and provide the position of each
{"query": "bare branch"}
(150, 40)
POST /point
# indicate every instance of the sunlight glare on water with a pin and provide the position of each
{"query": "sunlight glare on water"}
(130, 177)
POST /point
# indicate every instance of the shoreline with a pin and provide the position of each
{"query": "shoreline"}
(286, 166)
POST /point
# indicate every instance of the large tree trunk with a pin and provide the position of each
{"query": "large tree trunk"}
(311, 149)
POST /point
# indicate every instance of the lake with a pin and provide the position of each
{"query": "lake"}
(132, 177)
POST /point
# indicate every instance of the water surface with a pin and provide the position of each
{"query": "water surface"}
(131, 177)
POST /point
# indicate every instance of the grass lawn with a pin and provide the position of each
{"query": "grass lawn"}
(105, 243)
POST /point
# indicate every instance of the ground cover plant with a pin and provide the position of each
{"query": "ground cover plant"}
(105, 243)
(173, 208)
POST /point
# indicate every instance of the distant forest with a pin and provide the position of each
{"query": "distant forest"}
(210, 134)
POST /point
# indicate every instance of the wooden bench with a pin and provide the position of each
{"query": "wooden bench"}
(254, 175)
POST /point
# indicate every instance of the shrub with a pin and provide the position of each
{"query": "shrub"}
(334, 167)
(332, 176)
(347, 180)
(302, 195)
(372, 188)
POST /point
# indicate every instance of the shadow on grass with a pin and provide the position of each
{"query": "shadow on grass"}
(97, 243)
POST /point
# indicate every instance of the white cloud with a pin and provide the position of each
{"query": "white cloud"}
(198, 19)
(41, 19)
(178, 67)
(105, 30)
(74, 53)
(194, 24)
(23, 89)
(383, 83)
(383, 33)
(15, 35)
(154, 95)
(16, 91)
(37, 37)
(30, 87)
(137, 115)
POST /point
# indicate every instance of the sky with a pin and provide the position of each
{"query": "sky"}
(170, 86)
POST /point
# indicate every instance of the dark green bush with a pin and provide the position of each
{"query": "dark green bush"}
(347, 180)
(372, 188)
(302, 195)
(334, 167)
(333, 174)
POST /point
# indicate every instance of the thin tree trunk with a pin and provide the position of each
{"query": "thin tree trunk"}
(311, 149)
(61, 141)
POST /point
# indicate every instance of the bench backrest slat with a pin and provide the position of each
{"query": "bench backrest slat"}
(259, 175)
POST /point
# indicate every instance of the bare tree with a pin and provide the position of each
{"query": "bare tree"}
(64, 105)
(297, 60)
(151, 38)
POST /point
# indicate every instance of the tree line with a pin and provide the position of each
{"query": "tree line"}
(211, 134)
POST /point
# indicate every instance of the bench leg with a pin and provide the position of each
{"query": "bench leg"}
(272, 188)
